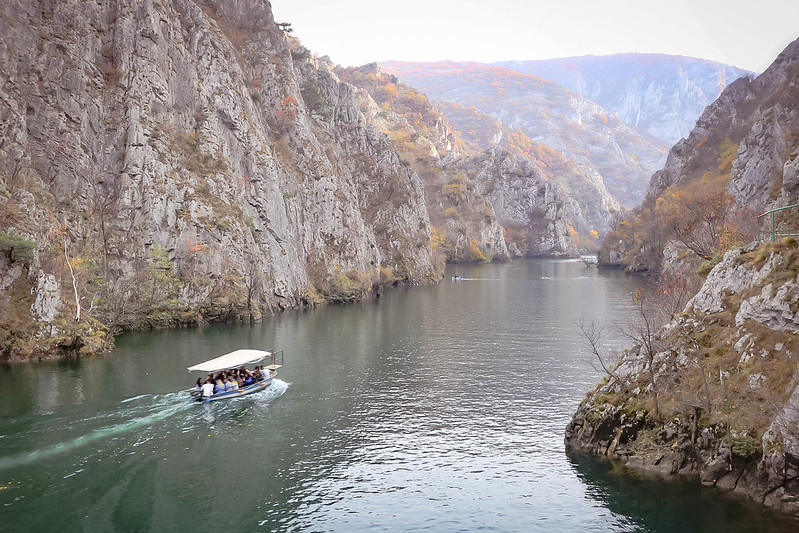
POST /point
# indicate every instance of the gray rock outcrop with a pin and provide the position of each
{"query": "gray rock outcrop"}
(725, 380)
(519, 195)
(197, 136)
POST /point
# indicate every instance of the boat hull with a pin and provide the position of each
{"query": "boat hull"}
(244, 391)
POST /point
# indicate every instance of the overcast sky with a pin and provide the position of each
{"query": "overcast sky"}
(743, 33)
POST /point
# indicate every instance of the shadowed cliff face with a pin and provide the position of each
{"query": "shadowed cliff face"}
(192, 163)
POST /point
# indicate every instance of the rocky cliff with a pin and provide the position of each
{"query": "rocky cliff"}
(540, 216)
(659, 94)
(584, 185)
(464, 225)
(740, 160)
(179, 161)
(716, 391)
(752, 127)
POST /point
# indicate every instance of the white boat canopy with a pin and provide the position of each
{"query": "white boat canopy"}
(231, 360)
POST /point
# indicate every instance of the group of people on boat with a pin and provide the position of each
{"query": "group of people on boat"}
(230, 380)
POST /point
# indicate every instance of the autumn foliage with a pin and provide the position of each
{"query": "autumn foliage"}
(701, 216)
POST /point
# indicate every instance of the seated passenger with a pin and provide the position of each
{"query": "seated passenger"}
(219, 387)
(198, 388)
(208, 388)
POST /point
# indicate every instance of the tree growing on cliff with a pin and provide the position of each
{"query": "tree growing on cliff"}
(702, 217)
(593, 337)
(253, 282)
(642, 331)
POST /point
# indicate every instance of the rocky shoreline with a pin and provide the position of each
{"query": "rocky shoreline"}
(721, 401)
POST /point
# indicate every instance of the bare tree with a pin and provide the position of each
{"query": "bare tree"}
(253, 280)
(697, 349)
(672, 290)
(74, 280)
(643, 333)
(593, 336)
(105, 192)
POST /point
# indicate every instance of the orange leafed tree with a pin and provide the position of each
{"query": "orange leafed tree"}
(286, 113)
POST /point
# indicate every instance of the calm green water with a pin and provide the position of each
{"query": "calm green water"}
(432, 408)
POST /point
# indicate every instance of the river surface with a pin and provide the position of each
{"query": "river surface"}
(429, 409)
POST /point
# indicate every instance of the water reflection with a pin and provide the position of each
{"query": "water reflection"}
(432, 408)
(655, 504)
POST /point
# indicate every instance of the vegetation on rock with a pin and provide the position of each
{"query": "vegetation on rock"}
(202, 172)
(715, 391)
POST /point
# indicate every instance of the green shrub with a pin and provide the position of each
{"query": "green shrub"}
(744, 445)
(17, 247)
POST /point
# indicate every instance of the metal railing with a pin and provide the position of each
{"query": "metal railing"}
(772, 217)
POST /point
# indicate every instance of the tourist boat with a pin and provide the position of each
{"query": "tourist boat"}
(235, 360)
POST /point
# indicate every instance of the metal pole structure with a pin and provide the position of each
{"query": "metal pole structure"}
(773, 227)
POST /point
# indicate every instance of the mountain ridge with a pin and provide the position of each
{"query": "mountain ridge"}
(550, 114)
(658, 93)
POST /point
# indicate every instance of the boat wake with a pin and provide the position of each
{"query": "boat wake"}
(125, 419)
(140, 413)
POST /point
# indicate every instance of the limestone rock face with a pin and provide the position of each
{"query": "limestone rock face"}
(197, 133)
(763, 302)
(520, 195)
(48, 298)
(725, 379)
(755, 117)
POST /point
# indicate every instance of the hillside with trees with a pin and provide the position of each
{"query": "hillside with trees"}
(466, 194)
(548, 114)
(739, 160)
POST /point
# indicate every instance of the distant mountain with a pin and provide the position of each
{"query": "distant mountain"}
(660, 94)
(548, 113)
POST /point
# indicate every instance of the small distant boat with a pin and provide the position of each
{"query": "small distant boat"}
(590, 260)
(235, 360)
(457, 278)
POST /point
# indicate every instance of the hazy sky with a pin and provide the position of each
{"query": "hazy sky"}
(744, 33)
